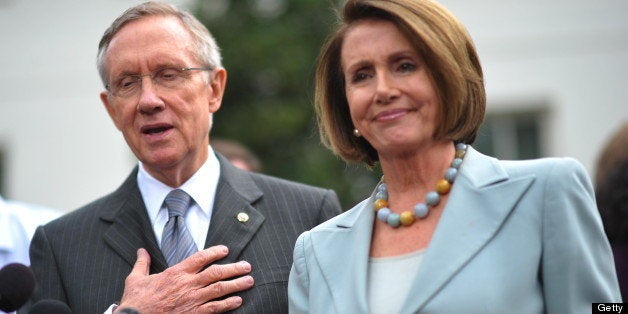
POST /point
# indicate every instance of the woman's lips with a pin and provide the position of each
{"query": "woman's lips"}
(390, 114)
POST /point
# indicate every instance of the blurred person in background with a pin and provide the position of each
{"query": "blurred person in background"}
(18, 222)
(611, 191)
(447, 229)
(238, 154)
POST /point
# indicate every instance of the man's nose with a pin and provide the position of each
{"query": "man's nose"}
(149, 100)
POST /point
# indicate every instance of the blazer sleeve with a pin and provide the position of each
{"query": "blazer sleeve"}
(44, 265)
(577, 264)
(330, 206)
(298, 282)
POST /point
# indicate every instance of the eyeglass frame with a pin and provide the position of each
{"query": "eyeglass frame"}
(139, 76)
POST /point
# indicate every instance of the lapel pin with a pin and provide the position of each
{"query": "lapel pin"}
(243, 217)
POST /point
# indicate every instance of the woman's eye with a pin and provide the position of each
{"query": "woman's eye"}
(407, 67)
(359, 77)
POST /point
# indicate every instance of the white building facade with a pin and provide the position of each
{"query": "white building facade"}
(556, 68)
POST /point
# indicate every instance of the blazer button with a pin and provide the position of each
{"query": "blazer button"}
(243, 217)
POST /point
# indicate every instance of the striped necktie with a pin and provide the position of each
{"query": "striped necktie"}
(176, 240)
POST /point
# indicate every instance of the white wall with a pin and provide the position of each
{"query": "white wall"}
(60, 147)
(570, 56)
(62, 150)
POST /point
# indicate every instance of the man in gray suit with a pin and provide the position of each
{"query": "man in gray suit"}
(164, 80)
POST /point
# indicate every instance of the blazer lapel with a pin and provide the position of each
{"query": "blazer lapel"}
(130, 226)
(343, 255)
(481, 199)
(235, 194)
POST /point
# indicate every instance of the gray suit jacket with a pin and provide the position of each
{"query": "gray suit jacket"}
(515, 237)
(84, 257)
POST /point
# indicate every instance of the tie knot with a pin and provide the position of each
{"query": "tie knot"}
(177, 202)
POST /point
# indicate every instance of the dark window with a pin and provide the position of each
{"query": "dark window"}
(511, 135)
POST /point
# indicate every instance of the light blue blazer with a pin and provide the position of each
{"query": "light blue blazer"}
(514, 237)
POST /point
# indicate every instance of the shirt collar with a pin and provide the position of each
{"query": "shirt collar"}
(201, 187)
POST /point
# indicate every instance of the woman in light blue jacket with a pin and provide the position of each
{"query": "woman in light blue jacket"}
(448, 229)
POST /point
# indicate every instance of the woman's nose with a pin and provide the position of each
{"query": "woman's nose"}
(386, 90)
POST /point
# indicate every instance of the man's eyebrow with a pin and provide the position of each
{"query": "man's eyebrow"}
(125, 73)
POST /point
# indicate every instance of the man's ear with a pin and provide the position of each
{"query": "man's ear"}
(218, 82)
(104, 97)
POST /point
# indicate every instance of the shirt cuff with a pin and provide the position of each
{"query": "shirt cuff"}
(111, 309)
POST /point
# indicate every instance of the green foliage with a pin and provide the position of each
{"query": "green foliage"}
(270, 57)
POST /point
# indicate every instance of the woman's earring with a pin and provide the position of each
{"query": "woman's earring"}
(356, 133)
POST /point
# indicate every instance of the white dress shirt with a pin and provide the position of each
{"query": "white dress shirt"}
(201, 187)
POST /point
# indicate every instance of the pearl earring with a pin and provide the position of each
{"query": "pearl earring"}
(356, 133)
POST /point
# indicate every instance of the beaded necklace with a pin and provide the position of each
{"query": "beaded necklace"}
(432, 198)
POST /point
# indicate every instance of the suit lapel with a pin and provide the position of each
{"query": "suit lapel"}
(482, 198)
(130, 226)
(343, 255)
(235, 194)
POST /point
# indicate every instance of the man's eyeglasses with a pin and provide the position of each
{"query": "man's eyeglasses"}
(167, 78)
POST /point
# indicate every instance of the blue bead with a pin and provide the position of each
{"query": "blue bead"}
(432, 198)
(381, 195)
(461, 146)
(450, 174)
(420, 210)
(383, 214)
(456, 163)
(394, 220)
(382, 188)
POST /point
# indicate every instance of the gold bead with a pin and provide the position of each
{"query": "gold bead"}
(406, 218)
(379, 204)
(460, 153)
(443, 186)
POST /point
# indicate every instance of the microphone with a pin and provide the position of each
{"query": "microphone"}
(50, 306)
(128, 310)
(17, 283)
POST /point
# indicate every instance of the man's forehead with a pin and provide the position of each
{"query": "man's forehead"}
(150, 40)
(145, 30)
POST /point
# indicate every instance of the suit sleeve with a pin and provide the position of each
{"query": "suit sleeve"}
(577, 264)
(330, 206)
(298, 282)
(44, 265)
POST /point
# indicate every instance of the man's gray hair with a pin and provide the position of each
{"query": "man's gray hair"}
(207, 51)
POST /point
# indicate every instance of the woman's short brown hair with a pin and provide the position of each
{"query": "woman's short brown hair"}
(445, 46)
